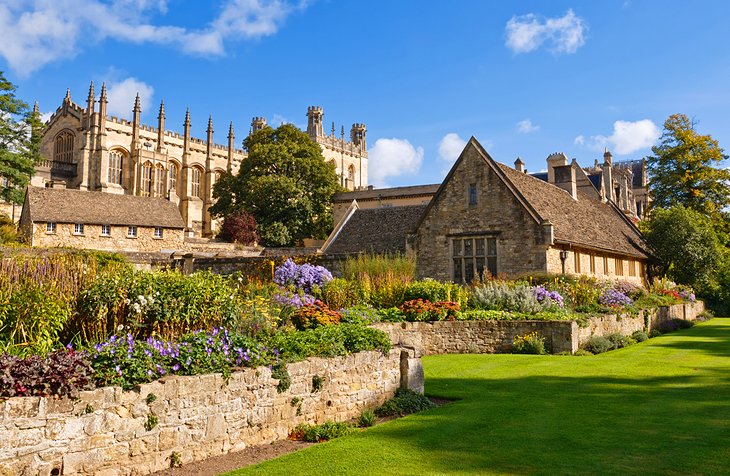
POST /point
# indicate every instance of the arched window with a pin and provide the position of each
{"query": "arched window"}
(195, 188)
(159, 181)
(116, 160)
(351, 173)
(63, 148)
(172, 178)
(146, 183)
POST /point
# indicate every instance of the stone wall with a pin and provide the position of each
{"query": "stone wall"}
(103, 431)
(462, 337)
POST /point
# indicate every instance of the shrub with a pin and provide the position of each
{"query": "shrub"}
(314, 315)
(304, 277)
(619, 341)
(361, 314)
(392, 314)
(383, 279)
(501, 296)
(655, 333)
(328, 341)
(530, 343)
(640, 336)
(403, 403)
(420, 310)
(674, 325)
(582, 352)
(340, 293)
(317, 433)
(437, 291)
(366, 419)
(239, 227)
(163, 303)
(598, 345)
(64, 372)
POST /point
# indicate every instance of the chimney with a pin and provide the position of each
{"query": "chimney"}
(557, 159)
(565, 179)
(519, 165)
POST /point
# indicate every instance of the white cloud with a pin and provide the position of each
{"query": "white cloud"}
(526, 126)
(121, 97)
(392, 158)
(562, 34)
(627, 137)
(37, 32)
(450, 147)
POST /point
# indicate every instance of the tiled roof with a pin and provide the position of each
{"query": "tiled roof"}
(377, 193)
(376, 230)
(77, 206)
(586, 221)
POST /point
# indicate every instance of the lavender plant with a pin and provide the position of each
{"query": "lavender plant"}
(546, 297)
(301, 277)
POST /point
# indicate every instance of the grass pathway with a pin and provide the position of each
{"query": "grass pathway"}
(661, 407)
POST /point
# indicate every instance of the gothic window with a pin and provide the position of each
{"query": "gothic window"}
(159, 181)
(472, 257)
(172, 178)
(195, 188)
(146, 182)
(116, 160)
(63, 148)
(351, 173)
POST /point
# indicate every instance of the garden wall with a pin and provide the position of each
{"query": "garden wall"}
(462, 337)
(103, 432)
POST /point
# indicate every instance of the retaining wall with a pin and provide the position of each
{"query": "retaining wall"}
(103, 431)
(460, 337)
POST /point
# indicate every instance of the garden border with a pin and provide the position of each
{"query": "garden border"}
(495, 336)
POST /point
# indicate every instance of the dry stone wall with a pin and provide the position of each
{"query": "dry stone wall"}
(108, 431)
(462, 337)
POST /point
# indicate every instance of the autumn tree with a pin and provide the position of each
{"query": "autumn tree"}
(20, 132)
(686, 169)
(284, 183)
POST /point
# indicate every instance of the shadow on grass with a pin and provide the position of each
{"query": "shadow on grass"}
(712, 337)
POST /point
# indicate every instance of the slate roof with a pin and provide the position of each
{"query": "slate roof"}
(376, 230)
(377, 193)
(97, 208)
(585, 221)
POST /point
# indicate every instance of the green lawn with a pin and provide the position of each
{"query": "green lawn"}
(661, 407)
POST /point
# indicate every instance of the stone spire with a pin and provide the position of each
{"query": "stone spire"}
(90, 100)
(231, 143)
(67, 99)
(102, 102)
(135, 122)
(161, 128)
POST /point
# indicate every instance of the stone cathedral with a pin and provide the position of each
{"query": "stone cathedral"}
(84, 148)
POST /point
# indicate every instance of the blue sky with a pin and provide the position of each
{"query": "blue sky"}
(526, 78)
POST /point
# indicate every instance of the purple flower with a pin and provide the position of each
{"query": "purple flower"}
(614, 298)
(547, 297)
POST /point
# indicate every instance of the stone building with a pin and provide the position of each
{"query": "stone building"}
(102, 221)
(86, 149)
(487, 216)
(382, 198)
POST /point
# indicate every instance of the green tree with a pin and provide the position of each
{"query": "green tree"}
(20, 132)
(685, 169)
(284, 183)
(685, 245)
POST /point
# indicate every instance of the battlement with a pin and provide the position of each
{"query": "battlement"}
(313, 109)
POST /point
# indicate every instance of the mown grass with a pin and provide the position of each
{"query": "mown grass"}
(661, 407)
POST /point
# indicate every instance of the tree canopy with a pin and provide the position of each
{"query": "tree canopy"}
(686, 169)
(284, 183)
(686, 246)
(20, 131)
